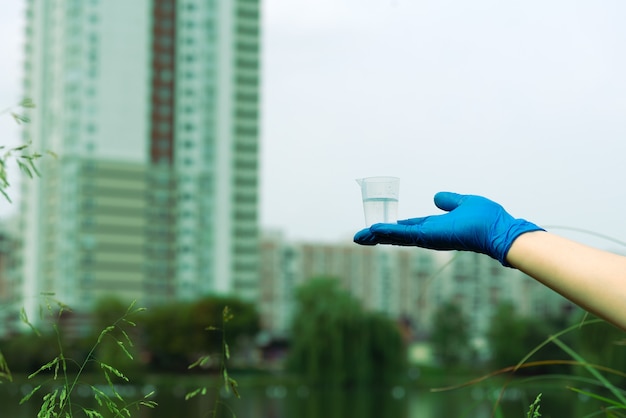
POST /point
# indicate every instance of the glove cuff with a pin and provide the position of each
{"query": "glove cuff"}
(503, 244)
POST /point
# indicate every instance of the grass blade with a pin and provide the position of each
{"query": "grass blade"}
(598, 397)
(592, 370)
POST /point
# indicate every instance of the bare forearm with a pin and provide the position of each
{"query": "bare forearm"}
(591, 278)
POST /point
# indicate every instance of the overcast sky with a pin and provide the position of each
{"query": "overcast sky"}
(521, 101)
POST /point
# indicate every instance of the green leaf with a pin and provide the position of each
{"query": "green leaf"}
(128, 340)
(6, 196)
(30, 395)
(121, 345)
(533, 411)
(46, 366)
(98, 395)
(20, 118)
(200, 362)
(25, 169)
(131, 323)
(5, 372)
(113, 370)
(598, 397)
(130, 307)
(30, 159)
(24, 319)
(226, 314)
(104, 332)
(549, 339)
(234, 385)
(63, 397)
(595, 373)
(226, 379)
(56, 367)
(49, 402)
(193, 394)
(90, 413)
(27, 103)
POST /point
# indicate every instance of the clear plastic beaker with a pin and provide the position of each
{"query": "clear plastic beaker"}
(380, 199)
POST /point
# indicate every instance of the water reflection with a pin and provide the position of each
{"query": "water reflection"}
(277, 401)
(299, 401)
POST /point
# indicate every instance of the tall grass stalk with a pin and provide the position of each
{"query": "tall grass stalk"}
(229, 384)
(595, 370)
(58, 402)
(25, 159)
(618, 393)
(5, 372)
(533, 410)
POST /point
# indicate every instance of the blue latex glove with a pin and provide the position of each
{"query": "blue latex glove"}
(473, 223)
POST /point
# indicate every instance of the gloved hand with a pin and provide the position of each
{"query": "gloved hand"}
(473, 223)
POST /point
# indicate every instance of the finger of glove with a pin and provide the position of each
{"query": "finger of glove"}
(396, 234)
(365, 237)
(436, 232)
(448, 201)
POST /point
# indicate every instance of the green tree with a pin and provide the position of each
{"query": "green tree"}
(450, 337)
(335, 341)
(177, 334)
(27, 351)
(166, 330)
(512, 336)
(506, 337)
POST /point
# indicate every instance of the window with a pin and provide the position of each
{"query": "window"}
(166, 75)
(164, 93)
(164, 110)
(163, 127)
(164, 58)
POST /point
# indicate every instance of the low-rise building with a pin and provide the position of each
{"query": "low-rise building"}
(408, 284)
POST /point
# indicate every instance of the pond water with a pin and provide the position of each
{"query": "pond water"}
(276, 400)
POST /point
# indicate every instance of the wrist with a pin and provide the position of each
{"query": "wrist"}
(517, 229)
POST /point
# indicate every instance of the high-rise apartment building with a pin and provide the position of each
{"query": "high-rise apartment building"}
(152, 107)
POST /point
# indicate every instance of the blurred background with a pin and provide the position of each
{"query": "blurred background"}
(199, 156)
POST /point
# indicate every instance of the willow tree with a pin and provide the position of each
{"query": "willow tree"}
(334, 341)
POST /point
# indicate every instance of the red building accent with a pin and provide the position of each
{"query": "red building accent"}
(163, 98)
